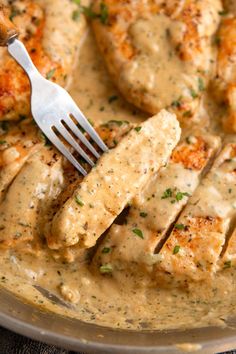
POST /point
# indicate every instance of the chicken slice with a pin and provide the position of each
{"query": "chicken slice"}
(228, 259)
(154, 209)
(193, 248)
(52, 38)
(111, 185)
(159, 53)
(17, 144)
(38, 181)
(225, 81)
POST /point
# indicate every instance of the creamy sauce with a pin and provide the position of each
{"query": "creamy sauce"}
(157, 61)
(126, 300)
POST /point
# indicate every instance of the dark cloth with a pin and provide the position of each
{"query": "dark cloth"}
(12, 343)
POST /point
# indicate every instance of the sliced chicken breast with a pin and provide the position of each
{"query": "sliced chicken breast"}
(229, 257)
(153, 211)
(193, 248)
(158, 53)
(38, 181)
(112, 184)
(52, 38)
(17, 144)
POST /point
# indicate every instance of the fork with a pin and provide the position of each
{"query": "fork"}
(51, 106)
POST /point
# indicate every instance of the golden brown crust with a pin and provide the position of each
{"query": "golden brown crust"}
(7, 29)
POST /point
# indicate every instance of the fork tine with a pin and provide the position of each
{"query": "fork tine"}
(80, 136)
(63, 149)
(78, 115)
(68, 137)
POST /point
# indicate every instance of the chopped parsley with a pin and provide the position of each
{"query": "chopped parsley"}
(50, 74)
(138, 129)
(138, 233)
(106, 269)
(176, 249)
(76, 15)
(201, 85)
(79, 201)
(180, 226)
(187, 114)
(103, 15)
(116, 122)
(177, 195)
(13, 14)
(112, 98)
(167, 194)
(176, 103)
(106, 250)
(143, 214)
(227, 264)
(77, 2)
(193, 93)
(223, 13)
(2, 142)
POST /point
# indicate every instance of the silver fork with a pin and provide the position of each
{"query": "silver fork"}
(53, 108)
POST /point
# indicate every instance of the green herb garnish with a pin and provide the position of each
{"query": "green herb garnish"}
(106, 269)
(176, 249)
(193, 93)
(176, 103)
(227, 264)
(179, 195)
(138, 232)
(104, 13)
(143, 214)
(187, 114)
(167, 194)
(106, 250)
(79, 201)
(138, 129)
(201, 85)
(223, 13)
(50, 74)
(180, 226)
(76, 15)
(112, 98)
(2, 142)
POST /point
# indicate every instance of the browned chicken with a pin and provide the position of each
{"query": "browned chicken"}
(134, 245)
(225, 81)
(52, 47)
(158, 53)
(111, 185)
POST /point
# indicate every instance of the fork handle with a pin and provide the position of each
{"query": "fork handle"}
(18, 51)
(7, 30)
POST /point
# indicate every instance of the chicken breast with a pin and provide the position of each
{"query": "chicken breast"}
(38, 181)
(111, 185)
(228, 259)
(52, 38)
(193, 248)
(134, 244)
(17, 144)
(225, 81)
(158, 53)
